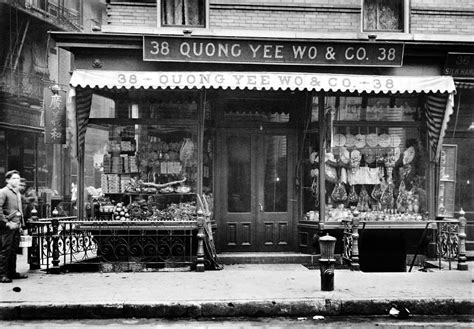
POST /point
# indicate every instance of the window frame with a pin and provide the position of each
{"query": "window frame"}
(182, 27)
(405, 19)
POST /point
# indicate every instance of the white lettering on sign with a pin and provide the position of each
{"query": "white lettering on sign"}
(254, 50)
(301, 53)
(359, 53)
(312, 53)
(158, 48)
(386, 54)
(200, 49)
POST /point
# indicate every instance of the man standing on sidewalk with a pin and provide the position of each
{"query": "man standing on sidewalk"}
(11, 222)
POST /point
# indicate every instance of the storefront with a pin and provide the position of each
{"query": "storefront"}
(277, 152)
(460, 132)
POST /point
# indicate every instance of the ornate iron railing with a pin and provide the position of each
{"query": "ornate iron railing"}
(449, 236)
(63, 242)
(448, 241)
(57, 14)
(23, 84)
(158, 243)
(57, 242)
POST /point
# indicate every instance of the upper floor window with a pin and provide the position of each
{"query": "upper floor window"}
(384, 15)
(191, 13)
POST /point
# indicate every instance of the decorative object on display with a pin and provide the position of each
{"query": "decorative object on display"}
(353, 197)
(408, 155)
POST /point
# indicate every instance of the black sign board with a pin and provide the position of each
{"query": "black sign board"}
(459, 65)
(213, 50)
(54, 116)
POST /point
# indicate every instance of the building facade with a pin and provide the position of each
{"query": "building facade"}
(284, 115)
(31, 65)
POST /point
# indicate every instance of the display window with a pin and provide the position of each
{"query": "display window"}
(375, 159)
(141, 161)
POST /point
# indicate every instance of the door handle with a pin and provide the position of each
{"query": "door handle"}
(260, 206)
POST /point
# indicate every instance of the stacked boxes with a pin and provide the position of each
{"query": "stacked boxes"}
(117, 165)
(124, 182)
(113, 183)
(104, 183)
(126, 146)
(107, 163)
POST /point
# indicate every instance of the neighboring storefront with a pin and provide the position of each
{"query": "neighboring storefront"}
(312, 132)
(460, 132)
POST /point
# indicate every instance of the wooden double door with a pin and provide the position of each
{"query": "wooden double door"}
(255, 190)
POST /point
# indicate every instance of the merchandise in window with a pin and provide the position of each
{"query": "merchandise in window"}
(189, 13)
(142, 158)
(375, 160)
(143, 169)
(383, 15)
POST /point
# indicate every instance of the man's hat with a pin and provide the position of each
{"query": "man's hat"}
(10, 173)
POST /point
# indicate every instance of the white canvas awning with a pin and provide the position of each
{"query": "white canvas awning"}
(262, 81)
(439, 90)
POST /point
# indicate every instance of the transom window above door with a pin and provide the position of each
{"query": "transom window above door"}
(183, 13)
(385, 15)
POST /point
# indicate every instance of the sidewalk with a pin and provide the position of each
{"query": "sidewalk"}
(238, 290)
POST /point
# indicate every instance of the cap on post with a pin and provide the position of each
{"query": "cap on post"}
(327, 245)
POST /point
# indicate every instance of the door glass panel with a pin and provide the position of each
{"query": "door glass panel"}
(238, 181)
(275, 188)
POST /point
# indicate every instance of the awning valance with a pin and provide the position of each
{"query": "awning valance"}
(262, 81)
(464, 84)
(439, 90)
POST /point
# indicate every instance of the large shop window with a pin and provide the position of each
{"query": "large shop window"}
(144, 155)
(384, 15)
(375, 159)
(186, 13)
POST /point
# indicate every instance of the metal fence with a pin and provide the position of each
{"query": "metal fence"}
(23, 84)
(449, 237)
(64, 242)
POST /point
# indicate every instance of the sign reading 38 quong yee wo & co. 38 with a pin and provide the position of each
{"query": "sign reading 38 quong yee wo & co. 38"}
(213, 50)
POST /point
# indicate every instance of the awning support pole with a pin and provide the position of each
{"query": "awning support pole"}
(80, 186)
(322, 156)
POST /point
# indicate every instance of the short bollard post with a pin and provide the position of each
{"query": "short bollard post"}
(200, 241)
(355, 266)
(462, 259)
(327, 245)
(34, 250)
(55, 236)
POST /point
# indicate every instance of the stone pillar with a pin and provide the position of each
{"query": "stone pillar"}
(462, 264)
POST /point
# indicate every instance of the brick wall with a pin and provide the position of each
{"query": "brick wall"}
(129, 14)
(444, 17)
(427, 16)
(283, 20)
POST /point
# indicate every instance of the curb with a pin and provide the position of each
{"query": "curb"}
(235, 308)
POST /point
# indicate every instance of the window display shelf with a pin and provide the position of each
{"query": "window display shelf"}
(150, 193)
(368, 225)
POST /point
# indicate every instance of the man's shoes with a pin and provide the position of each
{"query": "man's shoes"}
(19, 276)
(5, 279)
